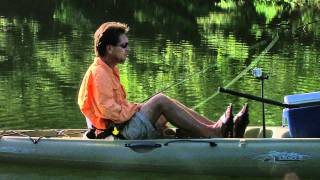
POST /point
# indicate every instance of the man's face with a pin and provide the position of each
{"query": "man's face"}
(120, 52)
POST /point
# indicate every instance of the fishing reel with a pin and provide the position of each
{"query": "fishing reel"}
(259, 74)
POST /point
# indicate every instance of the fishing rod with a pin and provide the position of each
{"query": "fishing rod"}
(242, 73)
(175, 84)
(263, 42)
(267, 101)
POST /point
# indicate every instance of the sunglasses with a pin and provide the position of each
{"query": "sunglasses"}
(125, 45)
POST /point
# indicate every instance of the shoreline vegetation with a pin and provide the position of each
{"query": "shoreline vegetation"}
(46, 46)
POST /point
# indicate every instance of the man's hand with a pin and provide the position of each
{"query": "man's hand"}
(139, 106)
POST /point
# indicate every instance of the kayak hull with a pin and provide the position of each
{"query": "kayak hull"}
(216, 156)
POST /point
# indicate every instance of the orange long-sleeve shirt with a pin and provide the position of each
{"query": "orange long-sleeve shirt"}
(102, 96)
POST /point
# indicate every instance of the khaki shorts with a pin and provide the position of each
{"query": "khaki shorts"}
(139, 127)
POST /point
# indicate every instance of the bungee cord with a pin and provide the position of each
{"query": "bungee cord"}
(35, 135)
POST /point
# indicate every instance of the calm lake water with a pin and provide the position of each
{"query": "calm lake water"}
(192, 46)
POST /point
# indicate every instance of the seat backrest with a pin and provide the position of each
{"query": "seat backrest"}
(89, 124)
(90, 134)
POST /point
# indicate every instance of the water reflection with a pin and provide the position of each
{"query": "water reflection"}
(14, 171)
(46, 46)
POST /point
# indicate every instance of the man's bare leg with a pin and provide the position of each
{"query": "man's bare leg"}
(203, 119)
(178, 116)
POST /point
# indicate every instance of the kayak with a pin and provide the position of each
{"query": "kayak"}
(252, 155)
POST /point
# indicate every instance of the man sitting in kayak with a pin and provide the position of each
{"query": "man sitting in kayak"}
(102, 98)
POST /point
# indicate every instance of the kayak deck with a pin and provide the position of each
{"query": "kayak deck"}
(251, 132)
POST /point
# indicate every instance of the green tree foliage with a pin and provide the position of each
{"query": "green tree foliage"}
(193, 46)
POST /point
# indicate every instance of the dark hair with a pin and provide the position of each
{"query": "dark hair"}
(108, 33)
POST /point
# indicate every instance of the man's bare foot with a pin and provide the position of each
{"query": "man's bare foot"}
(225, 122)
(241, 121)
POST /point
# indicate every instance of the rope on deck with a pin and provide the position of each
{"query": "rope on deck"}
(11, 132)
(35, 140)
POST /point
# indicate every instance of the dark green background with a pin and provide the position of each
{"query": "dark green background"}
(46, 47)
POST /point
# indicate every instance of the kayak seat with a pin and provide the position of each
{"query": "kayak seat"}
(91, 132)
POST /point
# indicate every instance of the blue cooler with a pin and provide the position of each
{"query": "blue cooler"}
(303, 122)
